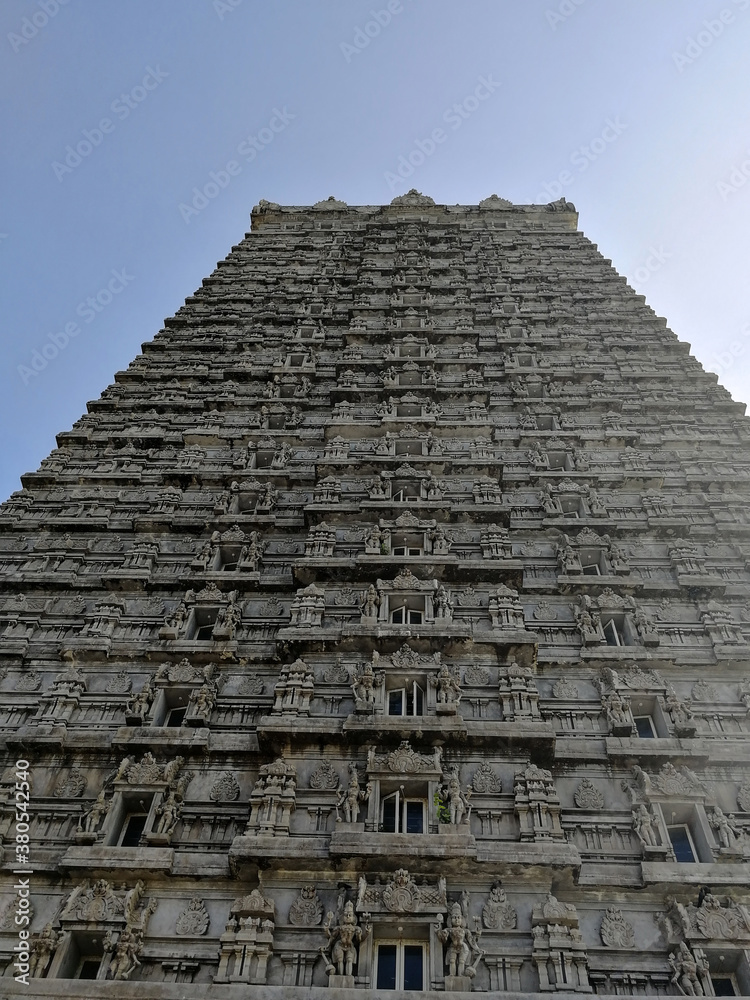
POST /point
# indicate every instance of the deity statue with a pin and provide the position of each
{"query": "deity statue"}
(462, 943)
(340, 952)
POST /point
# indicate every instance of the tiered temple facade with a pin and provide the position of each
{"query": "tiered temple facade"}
(385, 627)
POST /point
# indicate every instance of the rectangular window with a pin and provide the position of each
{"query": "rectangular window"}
(682, 843)
(403, 815)
(400, 966)
(723, 986)
(406, 494)
(644, 725)
(407, 616)
(89, 968)
(406, 701)
(613, 633)
(132, 829)
(175, 717)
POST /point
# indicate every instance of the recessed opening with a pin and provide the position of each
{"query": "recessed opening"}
(408, 700)
(89, 969)
(614, 632)
(645, 727)
(410, 612)
(682, 843)
(408, 493)
(408, 448)
(132, 829)
(400, 966)
(403, 814)
(175, 717)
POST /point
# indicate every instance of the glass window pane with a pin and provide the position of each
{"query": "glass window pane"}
(723, 987)
(389, 815)
(414, 813)
(396, 703)
(683, 849)
(413, 967)
(645, 727)
(386, 967)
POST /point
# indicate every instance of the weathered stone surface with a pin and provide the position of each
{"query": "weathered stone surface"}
(394, 597)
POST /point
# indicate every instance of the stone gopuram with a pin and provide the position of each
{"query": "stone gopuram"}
(384, 627)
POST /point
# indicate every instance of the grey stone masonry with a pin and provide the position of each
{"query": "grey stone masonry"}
(384, 629)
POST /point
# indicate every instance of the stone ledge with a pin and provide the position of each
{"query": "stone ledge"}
(703, 873)
(98, 858)
(44, 989)
(404, 845)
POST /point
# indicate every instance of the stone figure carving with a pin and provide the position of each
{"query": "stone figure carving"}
(273, 799)
(688, 971)
(447, 687)
(402, 893)
(42, 950)
(486, 781)
(91, 820)
(371, 603)
(743, 797)
(225, 788)
(295, 689)
(442, 603)
(730, 835)
(518, 692)
(455, 799)
(678, 917)
(307, 909)
(126, 955)
(587, 796)
(617, 710)
(350, 797)
(720, 923)
(497, 913)
(71, 785)
(646, 826)
(169, 813)
(340, 952)
(194, 919)
(139, 705)
(615, 931)
(565, 689)
(324, 777)
(462, 945)
(365, 684)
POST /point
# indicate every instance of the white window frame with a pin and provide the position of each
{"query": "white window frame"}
(400, 812)
(417, 693)
(400, 945)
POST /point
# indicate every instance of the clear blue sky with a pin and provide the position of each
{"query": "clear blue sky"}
(640, 106)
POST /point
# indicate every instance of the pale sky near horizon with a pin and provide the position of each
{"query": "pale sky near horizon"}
(115, 116)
